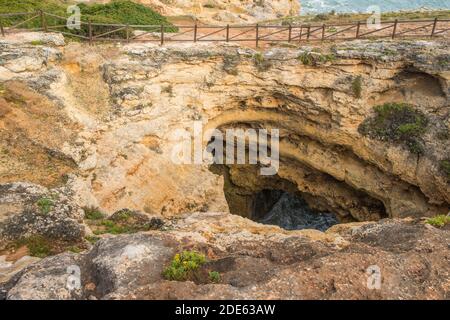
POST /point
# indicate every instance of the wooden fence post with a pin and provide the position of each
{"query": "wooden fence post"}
(128, 32)
(257, 35)
(290, 33)
(301, 33)
(162, 34)
(434, 27)
(228, 32)
(358, 27)
(195, 31)
(1, 28)
(43, 21)
(308, 31)
(395, 28)
(323, 32)
(90, 31)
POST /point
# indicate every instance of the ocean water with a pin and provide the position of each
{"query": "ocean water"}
(354, 6)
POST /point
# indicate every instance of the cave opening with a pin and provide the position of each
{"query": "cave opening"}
(272, 201)
(289, 211)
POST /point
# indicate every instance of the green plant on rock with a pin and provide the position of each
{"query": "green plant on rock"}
(183, 265)
(396, 122)
(45, 205)
(445, 167)
(92, 239)
(93, 214)
(214, 276)
(230, 63)
(439, 221)
(37, 245)
(314, 58)
(261, 63)
(123, 221)
(357, 87)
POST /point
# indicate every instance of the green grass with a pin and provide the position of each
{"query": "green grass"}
(445, 166)
(45, 205)
(332, 18)
(312, 59)
(92, 239)
(37, 246)
(214, 276)
(396, 122)
(183, 265)
(357, 87)
(261, 63)
(93, 214)
(115, 12)
(439, 221)
(37, 43)
(124, 221)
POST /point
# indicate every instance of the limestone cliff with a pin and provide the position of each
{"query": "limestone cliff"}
(224, 11)
(92, 127)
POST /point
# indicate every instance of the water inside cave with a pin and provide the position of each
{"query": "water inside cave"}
(289, 211)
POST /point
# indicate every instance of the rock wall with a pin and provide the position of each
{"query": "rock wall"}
(89, 129)
(128, 100)
(225, 11)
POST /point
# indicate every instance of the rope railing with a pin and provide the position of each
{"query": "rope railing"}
(94, 31)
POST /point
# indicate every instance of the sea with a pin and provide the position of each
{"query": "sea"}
(361, 6)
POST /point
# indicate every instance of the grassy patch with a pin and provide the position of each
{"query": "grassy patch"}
(183, 265)
(45, 205)
(439, 221)
(123, 221)
(37, 43)
(93, 214)
(38, 246)
(214, 276)
(261, 63)
(115, 12)
(396, 122)
(230, 63)
(314, 58)
(445, 167)
(357, 87)
(335, 17)
(92, 239)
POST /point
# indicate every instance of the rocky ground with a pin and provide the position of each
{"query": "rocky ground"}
(87, 131)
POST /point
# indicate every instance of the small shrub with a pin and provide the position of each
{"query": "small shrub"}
(230, 63)
(214, 276)
(315, 58)
(92, 239)
(93, 214)
(37, 43)
(45, 205)
(123, 221)
(183, 265)
(396, 122)
(37, 246)
(357, 86)
(321, 17)
(439, 221)
(261, 63)
(75, 249)
(445, 167)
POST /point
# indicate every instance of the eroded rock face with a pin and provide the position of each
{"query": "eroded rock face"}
(233, 11)
(123, 147)
(27, 210)
(257, 262)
